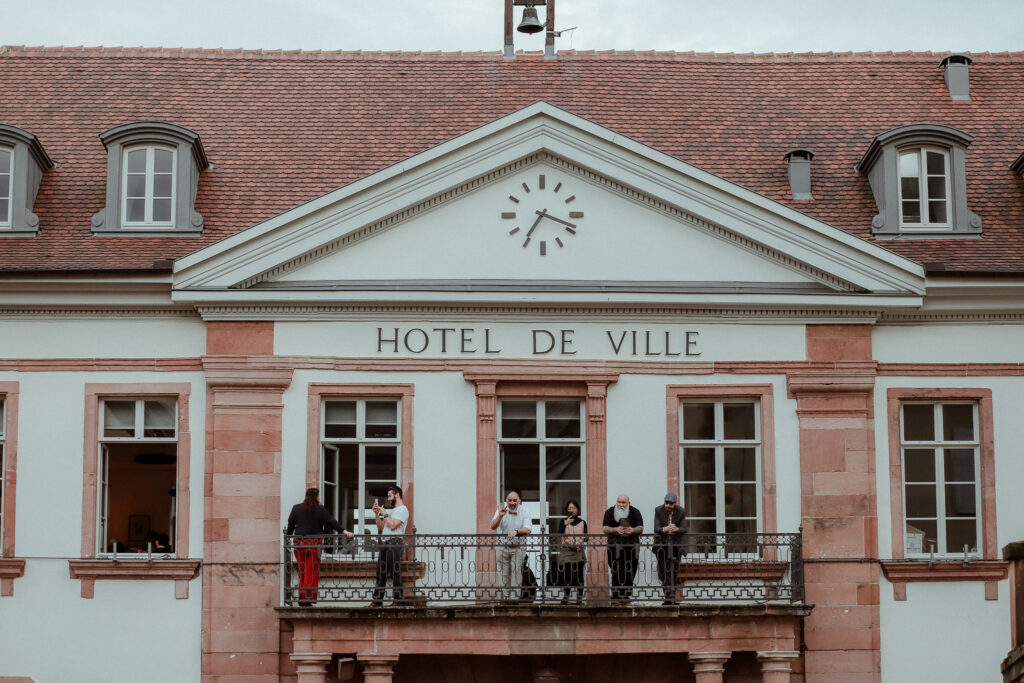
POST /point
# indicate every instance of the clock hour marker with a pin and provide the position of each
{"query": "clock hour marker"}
(512, 214)
(574, 214)
(527, 188)
(543, 248)
(558, 241)
(571, 231)
(540, 182)
(513, 230)
(513, 198)
(570, 199)
(558, 187)
(526, 242)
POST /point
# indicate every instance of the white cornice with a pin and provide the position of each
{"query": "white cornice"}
(543, 128)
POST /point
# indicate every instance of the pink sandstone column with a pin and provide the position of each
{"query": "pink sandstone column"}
(377, 668)
(242, 504)
(311, 666)
(776, 665)
(709, 666)
(838, 504)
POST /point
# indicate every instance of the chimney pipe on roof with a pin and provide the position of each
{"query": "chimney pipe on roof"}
(800, 172)
(956, 75)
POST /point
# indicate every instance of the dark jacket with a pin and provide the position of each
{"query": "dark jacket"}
(634, 520)
(314, 523)
(662, 518)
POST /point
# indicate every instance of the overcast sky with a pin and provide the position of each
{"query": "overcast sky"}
(719, 25)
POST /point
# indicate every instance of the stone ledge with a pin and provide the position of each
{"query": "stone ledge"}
(545, 611)
(11, 568)
(179, 571)
(902, 572)
(1013, 666)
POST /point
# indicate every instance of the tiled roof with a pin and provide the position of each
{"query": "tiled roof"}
(283, 127)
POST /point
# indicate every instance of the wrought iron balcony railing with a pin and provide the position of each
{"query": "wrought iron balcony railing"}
(473, 569)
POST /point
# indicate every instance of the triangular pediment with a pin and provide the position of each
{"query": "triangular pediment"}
(544, 205)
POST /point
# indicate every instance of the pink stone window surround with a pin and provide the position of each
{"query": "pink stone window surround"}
(10, 567)
(948, 567)
(319, 394)
(95, 394)
(761, 395)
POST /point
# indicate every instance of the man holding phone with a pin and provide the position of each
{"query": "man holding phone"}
(512, 521)
(391, 526)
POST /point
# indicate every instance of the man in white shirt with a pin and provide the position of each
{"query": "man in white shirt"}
(512, 521)
(391, 526)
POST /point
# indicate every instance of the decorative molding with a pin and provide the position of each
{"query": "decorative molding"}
(90, 571)
(327, 312)
(11, 568)
(99, 313)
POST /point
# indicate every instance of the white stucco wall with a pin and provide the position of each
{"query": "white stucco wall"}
(134, 627)
(143, 337)
(948, 343)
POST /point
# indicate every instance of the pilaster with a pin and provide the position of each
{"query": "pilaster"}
(839, 503)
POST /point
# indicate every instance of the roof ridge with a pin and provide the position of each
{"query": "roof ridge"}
(689, 55)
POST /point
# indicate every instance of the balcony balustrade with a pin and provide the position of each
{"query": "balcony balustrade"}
(462, 570)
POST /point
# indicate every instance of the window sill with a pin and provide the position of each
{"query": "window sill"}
(927, 235)
(902, 572)
(7, 232)
(179, 571)
(153, 232)
(10, 569)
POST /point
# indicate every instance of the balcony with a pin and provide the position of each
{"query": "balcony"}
(461, 571)
(737, 605)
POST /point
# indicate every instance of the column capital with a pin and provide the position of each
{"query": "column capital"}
(377, 667)
(311, 667)
(709, 662)
(777, 660)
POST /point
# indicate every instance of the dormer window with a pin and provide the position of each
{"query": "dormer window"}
(924, 188)
(152, 178)
(148, 187)
(919, 180)
(23, 161)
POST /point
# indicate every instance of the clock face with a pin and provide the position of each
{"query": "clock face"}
(542, 213)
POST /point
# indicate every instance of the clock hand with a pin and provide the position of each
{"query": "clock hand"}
(545, 214)
(535, 224)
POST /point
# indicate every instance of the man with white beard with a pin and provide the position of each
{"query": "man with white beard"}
(623, 525)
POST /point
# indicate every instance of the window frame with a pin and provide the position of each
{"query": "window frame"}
(11, 567)
(939, 446)
(718, 443)
(924, 199)
(762, 394)
(319, 393)
(5, 218)
(95, 395)
(985, 474)
(149, 192)
(362, 443)
(543, 442)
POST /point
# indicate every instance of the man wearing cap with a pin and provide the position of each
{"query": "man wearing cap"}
(669, 526)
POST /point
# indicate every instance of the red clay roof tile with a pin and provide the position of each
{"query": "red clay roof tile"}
(283, 127)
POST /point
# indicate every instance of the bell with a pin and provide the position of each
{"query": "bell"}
(530, 22)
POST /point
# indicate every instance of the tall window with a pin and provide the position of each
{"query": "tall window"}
(361, 445)
(541, 455)
(940, 450)
(924, 188)
(720, 462)
(6, 173)
(148, 187)
(138, 469)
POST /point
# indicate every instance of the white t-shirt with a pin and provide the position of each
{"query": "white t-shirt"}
(400, 512)
(513, 521)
